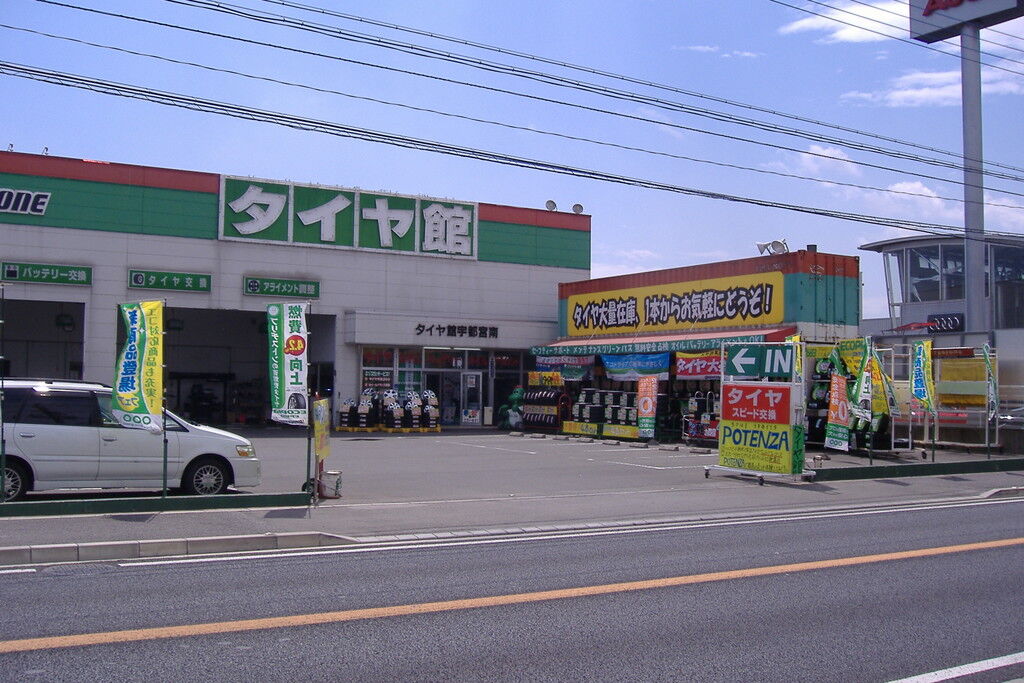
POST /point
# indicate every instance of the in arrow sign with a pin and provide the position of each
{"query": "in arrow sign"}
(740, 361)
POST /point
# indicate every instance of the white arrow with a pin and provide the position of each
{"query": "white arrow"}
(740, 361)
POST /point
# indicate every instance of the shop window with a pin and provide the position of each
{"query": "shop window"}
(953, 271)
(478, 360)
(924, 272)
(894, 273)
(1009, 264)
(378, 357)
(443, 359)
(507, 360)
(409, 358)
(409, 380)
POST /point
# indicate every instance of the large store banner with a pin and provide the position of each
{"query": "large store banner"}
(922, 382)
(837, 428)
(265, 211)
(631, 367)
(287, 340)
(570, 367)
(739, 301)
(138, 397)
(698, 364)
(756, 431)
(646, 405)
(322, 429)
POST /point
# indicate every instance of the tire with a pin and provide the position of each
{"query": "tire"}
(206, 477)
(15, 481)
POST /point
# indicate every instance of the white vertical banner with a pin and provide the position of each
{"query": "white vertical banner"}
(287, 340)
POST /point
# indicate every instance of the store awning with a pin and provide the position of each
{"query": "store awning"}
(658, 343)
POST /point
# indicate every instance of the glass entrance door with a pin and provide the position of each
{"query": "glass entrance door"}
(472, 392)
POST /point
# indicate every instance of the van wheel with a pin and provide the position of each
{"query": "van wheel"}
(205, 478)
(15, 481)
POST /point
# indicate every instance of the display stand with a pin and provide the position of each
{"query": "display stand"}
(805, 475)
(762, 429)
(543, 408)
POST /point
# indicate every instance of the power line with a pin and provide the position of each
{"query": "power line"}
(502, 124)
(538, 98)
(923, 21)
(621, 77)
(886, 35)
(364, 134)
(558, 81)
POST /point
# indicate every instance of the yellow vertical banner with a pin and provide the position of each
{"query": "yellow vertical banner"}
(138, 397)
(322, 429)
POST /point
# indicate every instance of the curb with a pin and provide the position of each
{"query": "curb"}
(132, 550)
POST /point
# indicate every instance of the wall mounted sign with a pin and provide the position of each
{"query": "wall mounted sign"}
(47, 273)
(945, 322)
(179, 282)
(268, 286)
(314, 216)
(739, 301)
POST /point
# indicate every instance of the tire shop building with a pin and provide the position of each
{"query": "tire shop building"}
(405, 291)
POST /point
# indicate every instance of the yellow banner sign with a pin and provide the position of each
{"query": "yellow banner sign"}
(620, 431)
(582, 428)
(759, 446)
(738, 301)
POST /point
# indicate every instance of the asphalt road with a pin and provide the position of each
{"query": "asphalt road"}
(880, 617)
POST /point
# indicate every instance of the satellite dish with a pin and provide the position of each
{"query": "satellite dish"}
(773, 247)
(550, 204)
(577, 208)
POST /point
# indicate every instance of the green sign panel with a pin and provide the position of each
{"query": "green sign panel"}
(159, 279)
(267, 286)
(759, 360)
(47, 273)
(336, 217)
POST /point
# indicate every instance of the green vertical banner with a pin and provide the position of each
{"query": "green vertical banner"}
(860, 397)
(922, 384)
(992, 382)
(287, 340)
(137, 399)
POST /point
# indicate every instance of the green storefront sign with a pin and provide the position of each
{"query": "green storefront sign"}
(47, 273)
(305, 215)
(159, 279)
(266, 286)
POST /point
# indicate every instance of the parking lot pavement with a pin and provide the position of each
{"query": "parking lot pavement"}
(461, 482)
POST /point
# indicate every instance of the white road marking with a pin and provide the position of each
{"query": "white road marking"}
(966, 669)
(652, 467)
(573, 534)
(16, 571)
(494, 448)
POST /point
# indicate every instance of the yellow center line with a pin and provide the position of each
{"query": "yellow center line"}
(135, 635)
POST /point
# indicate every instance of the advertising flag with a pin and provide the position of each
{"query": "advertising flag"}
(322, 429)
(922, 384)
(287, 339)
(837, 428)
(138, 397)
(884, 382)
(647, 403)
(860, 397)
(991, 381)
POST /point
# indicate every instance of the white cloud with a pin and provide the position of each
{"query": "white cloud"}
(855, 22)
(696, 48)
(627, 261)
(742, 54)
(936, 88)
(820, 160)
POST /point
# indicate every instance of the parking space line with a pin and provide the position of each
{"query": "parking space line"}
(652, 467)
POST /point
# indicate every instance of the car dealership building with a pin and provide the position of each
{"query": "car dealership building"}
(405, 291)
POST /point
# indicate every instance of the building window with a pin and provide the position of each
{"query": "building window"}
(894, 279)
(953, 271)
(378, 357)
(923, 283)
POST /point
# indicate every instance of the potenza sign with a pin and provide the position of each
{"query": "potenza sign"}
(315, 216)
(934, 20)
(738, 301)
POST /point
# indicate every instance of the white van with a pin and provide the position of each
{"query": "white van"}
(61, 434)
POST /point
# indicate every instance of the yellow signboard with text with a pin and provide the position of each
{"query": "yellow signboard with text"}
(760, 446)
(738, 301)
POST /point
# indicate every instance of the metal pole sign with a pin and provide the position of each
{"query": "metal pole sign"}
(647, 402)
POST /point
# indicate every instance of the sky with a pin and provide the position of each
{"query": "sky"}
(766, 102)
